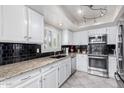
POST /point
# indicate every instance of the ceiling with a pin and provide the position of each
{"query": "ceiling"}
(67, 16)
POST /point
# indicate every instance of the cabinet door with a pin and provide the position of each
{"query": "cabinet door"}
(112, 35)
(82, 62)
(68, 68)
(112, 66)
(35, 82)
(58, 41)
(14, 23)
(80, 38)
(99, 31)
(62, 73)
(0, 21)
(35, 27)
(50, 78)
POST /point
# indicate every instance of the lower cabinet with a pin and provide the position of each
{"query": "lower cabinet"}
(68, 68)
(62, 73)
(82, 62)
(30, 79)
(34, 82)
(112, 67)
(50, 78)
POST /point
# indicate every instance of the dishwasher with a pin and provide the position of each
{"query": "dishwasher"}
(73, 64)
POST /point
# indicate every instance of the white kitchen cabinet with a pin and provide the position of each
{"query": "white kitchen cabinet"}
(112, 67)
(80, 38)
(112, 35)
(82, 62)
(24, 80)
(34, 82)
(14, 23)
(68, 67)
(59, 41)
(99, 31)
(62, 73)
(0, 21)
(67, 37)
(35, 27)
(50, 78)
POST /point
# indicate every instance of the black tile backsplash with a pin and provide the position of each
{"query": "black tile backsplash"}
(76, 47)
(14, 52)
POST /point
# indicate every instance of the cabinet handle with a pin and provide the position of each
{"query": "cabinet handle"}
(29, 37)
(26, 78)
(25, 36)
(44, 79)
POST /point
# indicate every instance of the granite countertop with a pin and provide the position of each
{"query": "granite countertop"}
(11, 70)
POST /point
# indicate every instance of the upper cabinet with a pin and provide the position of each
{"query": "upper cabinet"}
(112, 35)
(99, 31)
(14, 23)
(35, 27)
(20, 24)
(67, 37)
(80, 38)
(0, 21)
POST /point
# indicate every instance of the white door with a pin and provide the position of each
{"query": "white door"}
(35, 27)
(68, 69)
(50, 78)
(80, 38)
(14, 23)
(82, 62)
(62, 73)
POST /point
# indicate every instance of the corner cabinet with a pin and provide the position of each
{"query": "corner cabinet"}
(35, 27)
(14, 23)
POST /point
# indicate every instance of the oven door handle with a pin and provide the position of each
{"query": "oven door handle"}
(116, 74)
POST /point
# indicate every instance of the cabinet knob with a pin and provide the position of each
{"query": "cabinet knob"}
(29, 37)
(25, 36)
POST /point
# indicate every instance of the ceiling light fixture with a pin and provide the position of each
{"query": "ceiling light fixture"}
(79, 11)
(60, 24)
(101, 12)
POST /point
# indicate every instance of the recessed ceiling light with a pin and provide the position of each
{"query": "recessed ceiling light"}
(60, 24)
(79, 11)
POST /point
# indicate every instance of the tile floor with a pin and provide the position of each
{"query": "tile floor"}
(85, 80)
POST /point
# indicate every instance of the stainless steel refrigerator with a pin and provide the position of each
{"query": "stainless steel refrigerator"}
(119, 74)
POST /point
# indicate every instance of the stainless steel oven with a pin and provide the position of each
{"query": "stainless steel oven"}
(98, 58)
(98, 65)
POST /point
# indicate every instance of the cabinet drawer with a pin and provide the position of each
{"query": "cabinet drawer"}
(49, 67)
(16, 80)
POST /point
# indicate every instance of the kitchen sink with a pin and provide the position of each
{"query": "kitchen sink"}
(58, 56)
